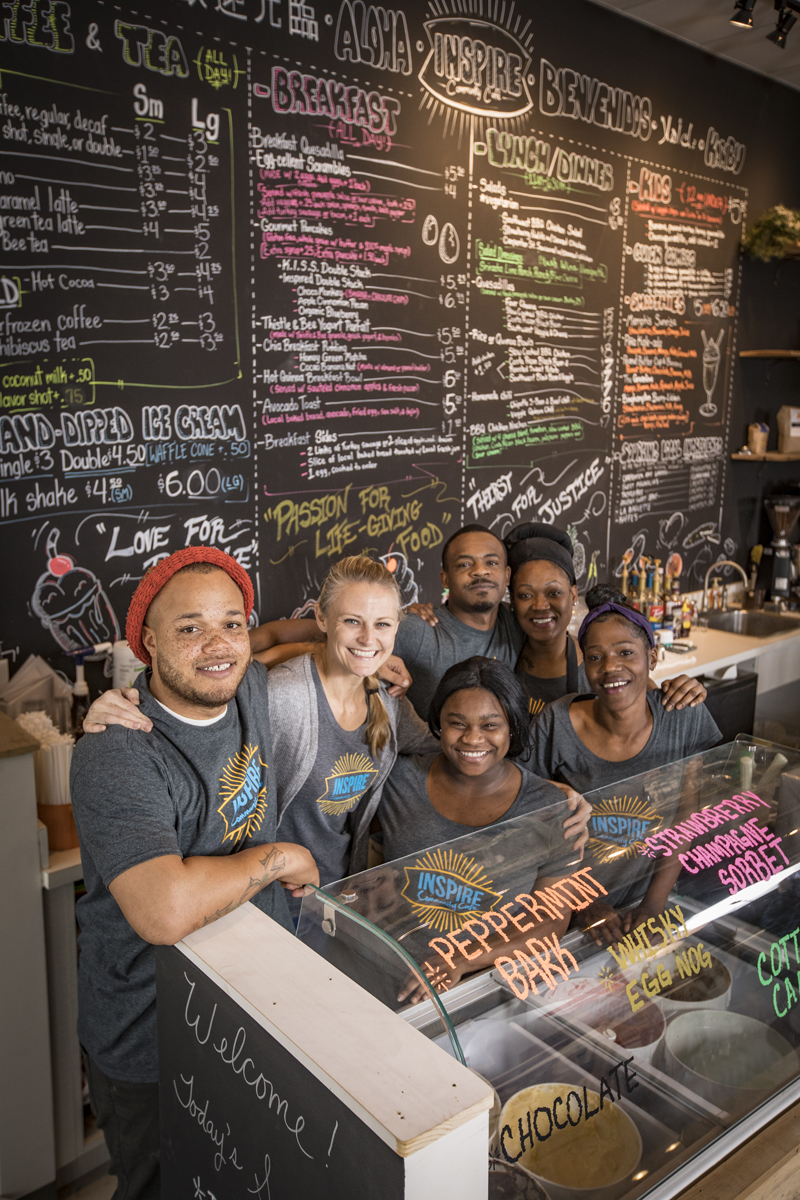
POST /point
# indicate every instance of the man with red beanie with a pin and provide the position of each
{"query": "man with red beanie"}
(176, 830)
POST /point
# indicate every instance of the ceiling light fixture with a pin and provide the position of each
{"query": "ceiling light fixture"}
(786, 19)
(743, 14)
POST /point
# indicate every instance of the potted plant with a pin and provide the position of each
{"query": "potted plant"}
(774, 235)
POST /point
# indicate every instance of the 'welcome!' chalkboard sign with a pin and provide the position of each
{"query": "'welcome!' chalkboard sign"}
(301, 279)
(241, 1117)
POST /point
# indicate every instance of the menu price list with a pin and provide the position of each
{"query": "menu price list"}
(547, 246)
(357, 368)
(124, 433)
(678, 329)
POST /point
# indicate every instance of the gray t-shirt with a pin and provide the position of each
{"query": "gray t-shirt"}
(181, 789)
(544, 691)
(321, 815)
(443, 873)
(622, 816)
(410, 823)
(429, 651)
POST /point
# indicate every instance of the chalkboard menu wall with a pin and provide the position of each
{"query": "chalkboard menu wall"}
(307, 279)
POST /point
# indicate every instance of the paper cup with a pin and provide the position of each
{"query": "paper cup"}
(757, 439)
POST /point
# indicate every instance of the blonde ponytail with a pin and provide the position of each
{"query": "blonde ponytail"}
(376, 735)
(360, 569)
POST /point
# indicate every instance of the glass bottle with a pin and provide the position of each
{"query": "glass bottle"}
(656, 614)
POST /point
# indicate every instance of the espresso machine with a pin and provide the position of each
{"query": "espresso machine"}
(783, 511)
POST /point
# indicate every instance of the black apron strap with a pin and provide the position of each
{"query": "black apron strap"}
(572, 666)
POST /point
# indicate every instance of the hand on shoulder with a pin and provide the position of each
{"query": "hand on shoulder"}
(425, 611)
(117, 706)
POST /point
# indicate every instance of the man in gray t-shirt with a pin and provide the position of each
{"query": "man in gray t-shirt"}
(185, 789)
(473, 621)
(176, 828)
(428, 651)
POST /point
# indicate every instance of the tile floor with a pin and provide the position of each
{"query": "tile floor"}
(101, 1189)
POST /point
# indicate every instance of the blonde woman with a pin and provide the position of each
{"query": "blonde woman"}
(336, 731)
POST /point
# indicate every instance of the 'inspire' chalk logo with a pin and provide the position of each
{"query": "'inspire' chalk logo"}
(446, 889)
(619, 825)
(351, 776)
(244, 794)
(477, 66)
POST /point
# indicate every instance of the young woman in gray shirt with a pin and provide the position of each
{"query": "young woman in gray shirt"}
(622, 730)
(479, 716)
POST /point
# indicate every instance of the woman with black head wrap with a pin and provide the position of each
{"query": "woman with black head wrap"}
(543, 592)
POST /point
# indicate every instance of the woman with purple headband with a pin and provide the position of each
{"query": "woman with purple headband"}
(622, 729)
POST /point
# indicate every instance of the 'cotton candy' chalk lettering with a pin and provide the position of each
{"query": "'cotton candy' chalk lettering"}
(785, 994)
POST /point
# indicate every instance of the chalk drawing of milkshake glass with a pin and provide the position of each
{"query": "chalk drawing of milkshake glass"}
(71, 604)
(711, 361)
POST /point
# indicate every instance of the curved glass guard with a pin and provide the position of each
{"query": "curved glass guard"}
(666, 1015)
(372, 959)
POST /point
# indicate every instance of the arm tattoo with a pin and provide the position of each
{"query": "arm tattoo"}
(212, 917)
(273, 862)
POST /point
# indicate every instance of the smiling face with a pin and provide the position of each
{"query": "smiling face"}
(361, 622)
(474, 731)
(196, 635)
(477, 574)
(543, 599)
(617, 662)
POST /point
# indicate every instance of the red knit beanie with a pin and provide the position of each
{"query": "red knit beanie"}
(162, 572)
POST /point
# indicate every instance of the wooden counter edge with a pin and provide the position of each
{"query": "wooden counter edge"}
(14, 739)
(406, 1149)
(761, 1169)
(292, 1005)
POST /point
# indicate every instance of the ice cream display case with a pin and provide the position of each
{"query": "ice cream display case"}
(636, 1010)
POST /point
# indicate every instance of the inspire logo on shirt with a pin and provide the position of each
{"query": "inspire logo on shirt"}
(351, 776)
(244, 794)
(446, 889)
(619, 825)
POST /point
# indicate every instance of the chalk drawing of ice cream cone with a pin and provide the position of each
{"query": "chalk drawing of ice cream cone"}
(71, 604)
(404, 577)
